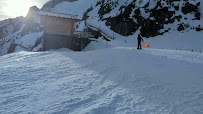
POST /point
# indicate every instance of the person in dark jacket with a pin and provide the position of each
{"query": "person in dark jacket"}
(139, 39)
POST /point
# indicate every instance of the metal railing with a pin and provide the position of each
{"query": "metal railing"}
(99, 29)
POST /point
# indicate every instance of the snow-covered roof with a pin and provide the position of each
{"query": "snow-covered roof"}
(60, 15)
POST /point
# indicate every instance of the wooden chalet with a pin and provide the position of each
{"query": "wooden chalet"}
(59, 31)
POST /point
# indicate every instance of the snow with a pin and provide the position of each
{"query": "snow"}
(152, 4)
(144, 14)
(109, 80)
(19, 49)
(187, 41)
(39, 47)
(30, 39)
(98, 44)
(59, 15)
(75, 8)
(106, 77)
(9, 29)
(80, 26)
(141, 3)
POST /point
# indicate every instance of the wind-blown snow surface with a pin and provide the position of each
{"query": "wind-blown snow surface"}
(111, 80)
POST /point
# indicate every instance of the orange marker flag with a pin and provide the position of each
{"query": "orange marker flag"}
(145, 45)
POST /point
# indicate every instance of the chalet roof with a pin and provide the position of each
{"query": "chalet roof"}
(60, 15)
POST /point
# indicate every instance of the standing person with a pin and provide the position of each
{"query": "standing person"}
(139, 39)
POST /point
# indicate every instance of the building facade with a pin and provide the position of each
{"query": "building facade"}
(59, 31)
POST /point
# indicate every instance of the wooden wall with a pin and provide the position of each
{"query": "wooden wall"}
(59, 26)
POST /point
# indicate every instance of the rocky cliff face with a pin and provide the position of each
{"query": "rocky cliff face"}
(10, 26)
(151, 16)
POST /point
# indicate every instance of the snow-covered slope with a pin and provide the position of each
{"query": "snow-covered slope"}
(119, 80)
(76, 8)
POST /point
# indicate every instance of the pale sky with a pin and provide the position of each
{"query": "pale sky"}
(15, 8)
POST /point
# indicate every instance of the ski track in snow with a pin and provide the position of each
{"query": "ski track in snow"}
(106, 81)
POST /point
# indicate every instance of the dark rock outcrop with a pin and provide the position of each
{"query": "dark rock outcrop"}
(181, 27)
(122, 23)
(159, 16)
(125, 25)
(12, 48)
(188, 8)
